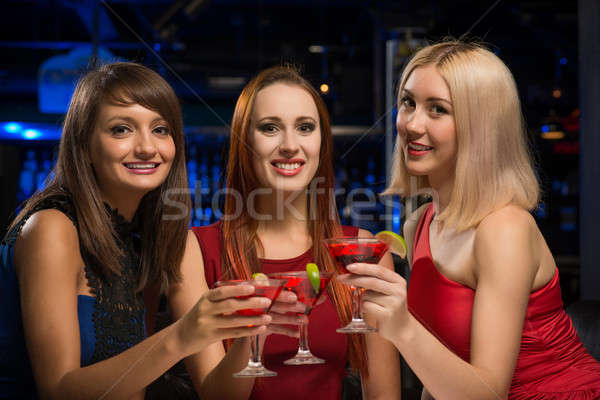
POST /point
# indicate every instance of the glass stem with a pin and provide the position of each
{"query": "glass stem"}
(255, 350)
(356, 298)
(303, 346)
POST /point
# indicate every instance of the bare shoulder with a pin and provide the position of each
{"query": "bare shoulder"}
(506, 222)
(48, 241)
(507, 236)
(48, 228)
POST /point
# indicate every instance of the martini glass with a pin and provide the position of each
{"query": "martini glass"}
(298, 282)
(349, 250)
(269, 288)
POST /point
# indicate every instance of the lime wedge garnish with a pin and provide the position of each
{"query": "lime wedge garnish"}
(260, 277)
(314, 277)
(394, 241)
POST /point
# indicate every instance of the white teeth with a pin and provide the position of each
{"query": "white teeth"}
(141, 166)
(288, 166)
(418, 147)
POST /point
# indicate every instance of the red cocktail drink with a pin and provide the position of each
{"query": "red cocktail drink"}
(269, 288)
(349, 250)
(299, 283)
(270, 292)
(366, 250)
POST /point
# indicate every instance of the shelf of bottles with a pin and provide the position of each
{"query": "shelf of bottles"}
(36, 165)
(206, 162)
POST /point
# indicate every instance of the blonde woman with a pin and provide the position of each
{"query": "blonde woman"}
(483, 316)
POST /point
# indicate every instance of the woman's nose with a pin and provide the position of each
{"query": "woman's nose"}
(416, 122)
(145, 146)
(289, 142)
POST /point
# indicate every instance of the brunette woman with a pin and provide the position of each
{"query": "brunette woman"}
(77, 257)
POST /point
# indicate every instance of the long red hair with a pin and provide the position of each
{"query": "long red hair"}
(240, 258)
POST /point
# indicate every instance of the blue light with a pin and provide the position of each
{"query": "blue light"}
(31, 134)
(12, 127)
(23, 130)
(563, 61)
(156, 46)
(545, 128)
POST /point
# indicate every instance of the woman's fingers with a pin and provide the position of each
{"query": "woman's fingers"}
(283, 330)
(232, 305)
(376, 271)
(282, 308)
(286, 297)
(231, 321)
(286, 319)
(373, 277)
(372, 308)
(232, 333)
(389, 302)
(225, 292)
(374, 284)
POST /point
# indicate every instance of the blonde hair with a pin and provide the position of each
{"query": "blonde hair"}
(493, 163)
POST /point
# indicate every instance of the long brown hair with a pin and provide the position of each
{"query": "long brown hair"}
(239, 258)
(162, 239)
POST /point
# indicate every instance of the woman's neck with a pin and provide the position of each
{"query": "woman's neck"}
(126, 206)
(442, 192)
(282, 212)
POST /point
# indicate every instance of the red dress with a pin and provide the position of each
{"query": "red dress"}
(322, 381)
(552, 362)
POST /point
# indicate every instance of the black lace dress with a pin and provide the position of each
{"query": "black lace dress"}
(110, 321)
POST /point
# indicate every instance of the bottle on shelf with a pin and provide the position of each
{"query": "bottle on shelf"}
(27, 177)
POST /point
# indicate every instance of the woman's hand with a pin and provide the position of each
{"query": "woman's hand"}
(213, 317)
(284, 313)
(384, 298)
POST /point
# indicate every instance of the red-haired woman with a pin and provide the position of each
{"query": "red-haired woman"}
(278, 208)
(77, 257)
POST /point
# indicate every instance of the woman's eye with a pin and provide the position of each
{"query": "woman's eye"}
(162, 130)
(268, 128)
(120, 130)
(306, 128)
(407, 102)
(437, 109)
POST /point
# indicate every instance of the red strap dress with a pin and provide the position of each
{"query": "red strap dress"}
(322, 381)
(552, 362)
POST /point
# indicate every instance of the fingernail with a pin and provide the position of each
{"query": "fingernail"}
(351, 267)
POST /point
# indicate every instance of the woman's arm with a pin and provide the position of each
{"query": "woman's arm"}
(506, 265)
(48, 264)
(211, 369)
(181, 297)
(384, 381)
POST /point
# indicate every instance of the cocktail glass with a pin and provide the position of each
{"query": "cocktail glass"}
(269, 288)
(299, 283)
(349, 250)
